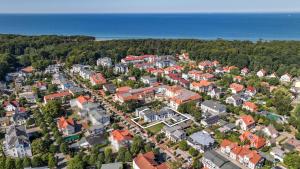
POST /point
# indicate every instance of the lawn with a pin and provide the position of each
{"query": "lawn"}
(156, 128)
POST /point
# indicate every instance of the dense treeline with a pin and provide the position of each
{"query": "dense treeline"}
(40, 51)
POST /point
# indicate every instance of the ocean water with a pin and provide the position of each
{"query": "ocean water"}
(183, 26)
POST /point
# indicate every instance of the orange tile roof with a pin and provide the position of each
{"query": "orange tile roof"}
(64, 123)
(121, 135)
(250, 105)
(236, 87)
(147, 161)
(202, 83)
(57, 95)
(98, 78)
(82, 99)
(28, 69)
(247, 119)
(255, 140)
(123, 89)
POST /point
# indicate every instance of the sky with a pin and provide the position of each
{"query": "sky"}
(148, 6)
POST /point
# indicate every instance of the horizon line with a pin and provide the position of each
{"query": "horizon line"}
(104, 13)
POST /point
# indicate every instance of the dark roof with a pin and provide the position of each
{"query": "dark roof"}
(219, 160)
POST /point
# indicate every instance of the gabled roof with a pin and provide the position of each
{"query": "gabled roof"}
(236, 87)
(57, 95)
(247, 119)
(64, 123)
(147, 161)
(121, 135)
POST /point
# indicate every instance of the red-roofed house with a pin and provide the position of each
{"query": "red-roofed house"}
(251, 91)
(250, 106)
(97, 79)
(246, 122)
(205, 64)
(56, 96)
(202, 86)
(147, 161)
(242, 154)
(66, 126)
(244, 71)
(255, 141)
(236, 88)
(238, 79)
(120, 138)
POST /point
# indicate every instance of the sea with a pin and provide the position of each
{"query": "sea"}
(245, 26)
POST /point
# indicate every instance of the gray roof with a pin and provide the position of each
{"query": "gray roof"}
(117, 165)
(219, 160)
(17, 135)
(213, 104)
(202, 138)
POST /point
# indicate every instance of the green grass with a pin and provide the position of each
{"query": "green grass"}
(156, 128)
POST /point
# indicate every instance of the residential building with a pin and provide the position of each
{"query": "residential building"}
(251, 91)
(149, 116)
(98, 117)
(110, 88)
(201, 141)
(97, 79)
(286, 78)
(236, 88)
(66, 126)
(104, 62)
(57, 96)
(213, 160)
(148, 80)
(244, 71)
(176, 133)
(216, 93)
(261, 73)
(255, 141)
(235, 100)
(213, 107)
(121, 69)
(245, 122)
(120, 138)
(17, 143)
(270, 131)
(202, 86)
(147, 161)
(250, 106)
(242, 154)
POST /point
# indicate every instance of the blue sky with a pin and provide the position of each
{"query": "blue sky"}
(147, 6)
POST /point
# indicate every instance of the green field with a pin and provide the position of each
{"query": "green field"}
(156, 128)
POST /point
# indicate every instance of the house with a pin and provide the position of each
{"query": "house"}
(40, 85)
(121, 69)
(116, 165)
(237, 79)
(29, 96)
(251, 91)
(10, 105)
(148, 161)
(184, 57)
(278, 153)
(57, 96)
(19, 118)
(138, 59)
(235, 100)
(202, 86)
(120, 138)
(261, 73)
(270, 131)
(176, 133)
(104, 62)
(209, 119)
(244, 71)
(16, 143)
(216, 93)
(195, 74)
(110, 88)
(250, 106)
(148, 80)
(236, 88)
(286, 78)
(255, 141)
(201, 141)
(149, 116)
(97, 79)
(91, 140)
(205, 64)
(173, 69)
(66, 126)
(213, 107)
(292, 145)
(213, 160)
(28, 70)
(245, 122)
(98, 117)
(52, 69)
(242, 154)
(228, 69)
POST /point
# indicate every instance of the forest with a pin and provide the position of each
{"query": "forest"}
(17, 51)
